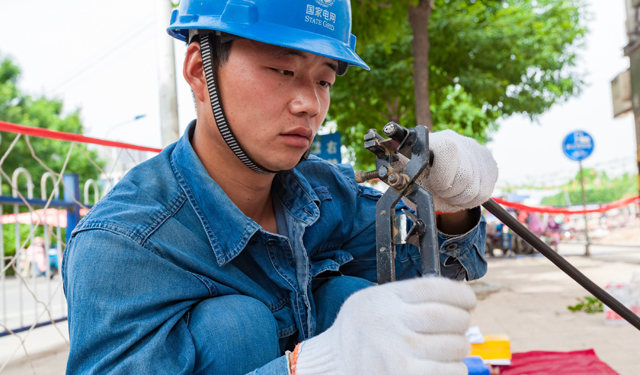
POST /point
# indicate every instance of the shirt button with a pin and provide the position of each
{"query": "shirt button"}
(272, 242)
(452, 246)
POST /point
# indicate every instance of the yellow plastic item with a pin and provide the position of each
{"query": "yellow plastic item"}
(494, 347)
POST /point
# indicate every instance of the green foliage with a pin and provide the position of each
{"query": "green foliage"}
(488, 60)
(9, 236)
(361, 100)
(590, 305)
(9, 239)
(599, 188)
(19, 108)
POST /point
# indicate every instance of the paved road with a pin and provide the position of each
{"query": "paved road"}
(19, 308)
(47, 348)
(527, 299)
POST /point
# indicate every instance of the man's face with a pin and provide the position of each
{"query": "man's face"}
(275, 99)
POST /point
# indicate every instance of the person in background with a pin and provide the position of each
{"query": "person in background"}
(36, 256)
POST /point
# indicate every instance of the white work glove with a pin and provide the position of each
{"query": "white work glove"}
(408, 327)
(463, 174)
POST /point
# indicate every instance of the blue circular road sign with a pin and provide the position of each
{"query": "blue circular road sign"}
(578, 145)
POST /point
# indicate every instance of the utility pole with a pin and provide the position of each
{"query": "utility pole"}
(166, 76)
(584, 207)
(626, 87)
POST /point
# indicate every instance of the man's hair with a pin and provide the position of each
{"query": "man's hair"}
(221, 50)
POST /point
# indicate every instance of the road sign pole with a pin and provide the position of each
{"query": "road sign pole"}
(584, 206)
(578, 145)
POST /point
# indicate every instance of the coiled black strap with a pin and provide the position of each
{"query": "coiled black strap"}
(206, 50)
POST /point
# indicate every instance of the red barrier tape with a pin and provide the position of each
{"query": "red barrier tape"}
(53, 134)
(555, 210)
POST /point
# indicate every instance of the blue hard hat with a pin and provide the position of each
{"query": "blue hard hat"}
(321, 27)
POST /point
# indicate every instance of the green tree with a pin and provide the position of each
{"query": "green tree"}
(487, 60)
(599, 188)
(19, 108)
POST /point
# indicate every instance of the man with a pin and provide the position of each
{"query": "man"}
(230, 253)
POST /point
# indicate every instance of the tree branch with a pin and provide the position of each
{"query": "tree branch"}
(388, 103)
(419, 22)
(384, 115)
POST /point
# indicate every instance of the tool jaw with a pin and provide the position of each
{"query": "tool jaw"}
(413, 144)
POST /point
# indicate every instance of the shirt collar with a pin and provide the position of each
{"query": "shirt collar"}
(228, 229)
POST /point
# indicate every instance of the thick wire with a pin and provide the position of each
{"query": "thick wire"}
(562, 263)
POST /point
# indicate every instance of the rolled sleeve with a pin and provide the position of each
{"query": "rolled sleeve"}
(462, 256)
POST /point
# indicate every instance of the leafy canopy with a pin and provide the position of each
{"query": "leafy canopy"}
(599, 188)
(19, 108)
(488, 60)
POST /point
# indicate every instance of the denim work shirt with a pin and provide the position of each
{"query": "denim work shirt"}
(167, 237)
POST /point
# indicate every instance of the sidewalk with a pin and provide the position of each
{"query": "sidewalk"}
(45, 346)
(527, 299)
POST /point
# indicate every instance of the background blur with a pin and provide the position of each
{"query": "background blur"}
(517, 75)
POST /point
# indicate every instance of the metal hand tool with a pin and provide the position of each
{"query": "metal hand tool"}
(414, 144)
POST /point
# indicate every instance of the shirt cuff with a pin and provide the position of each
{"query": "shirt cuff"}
(462, 255)
(477, 213)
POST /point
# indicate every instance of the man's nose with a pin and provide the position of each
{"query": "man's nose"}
(306, 100)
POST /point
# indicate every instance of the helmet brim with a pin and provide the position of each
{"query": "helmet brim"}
(268, 33)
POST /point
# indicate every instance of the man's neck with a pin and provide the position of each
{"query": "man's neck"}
(254, 200)
(249, 191)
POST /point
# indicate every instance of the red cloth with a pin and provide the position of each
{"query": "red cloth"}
(581, 362)
(555, 210)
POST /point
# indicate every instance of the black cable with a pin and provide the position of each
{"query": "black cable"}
(561, 263)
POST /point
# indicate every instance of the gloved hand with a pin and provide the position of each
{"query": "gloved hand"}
(463, 174)
(408, 327)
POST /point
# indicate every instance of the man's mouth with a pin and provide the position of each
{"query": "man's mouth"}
(300, 136)
(301, 131)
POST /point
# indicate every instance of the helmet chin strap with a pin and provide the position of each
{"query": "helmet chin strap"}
(206, 50)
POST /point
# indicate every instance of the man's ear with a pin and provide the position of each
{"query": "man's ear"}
(193, 71)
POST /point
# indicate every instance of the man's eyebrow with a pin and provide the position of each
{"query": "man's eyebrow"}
(333, 64)
(284, 51)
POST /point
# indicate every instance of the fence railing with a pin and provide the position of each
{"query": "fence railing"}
(35, 229)
(40, 261)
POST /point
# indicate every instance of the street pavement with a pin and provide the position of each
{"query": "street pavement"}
(44, 352)
(19, 308)
(525, 298)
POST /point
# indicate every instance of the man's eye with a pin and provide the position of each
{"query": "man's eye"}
(284, 72)
(325, 84)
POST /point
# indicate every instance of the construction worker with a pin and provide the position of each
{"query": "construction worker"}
(230, 252)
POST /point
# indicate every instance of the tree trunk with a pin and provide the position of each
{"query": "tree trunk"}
(419, 22)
